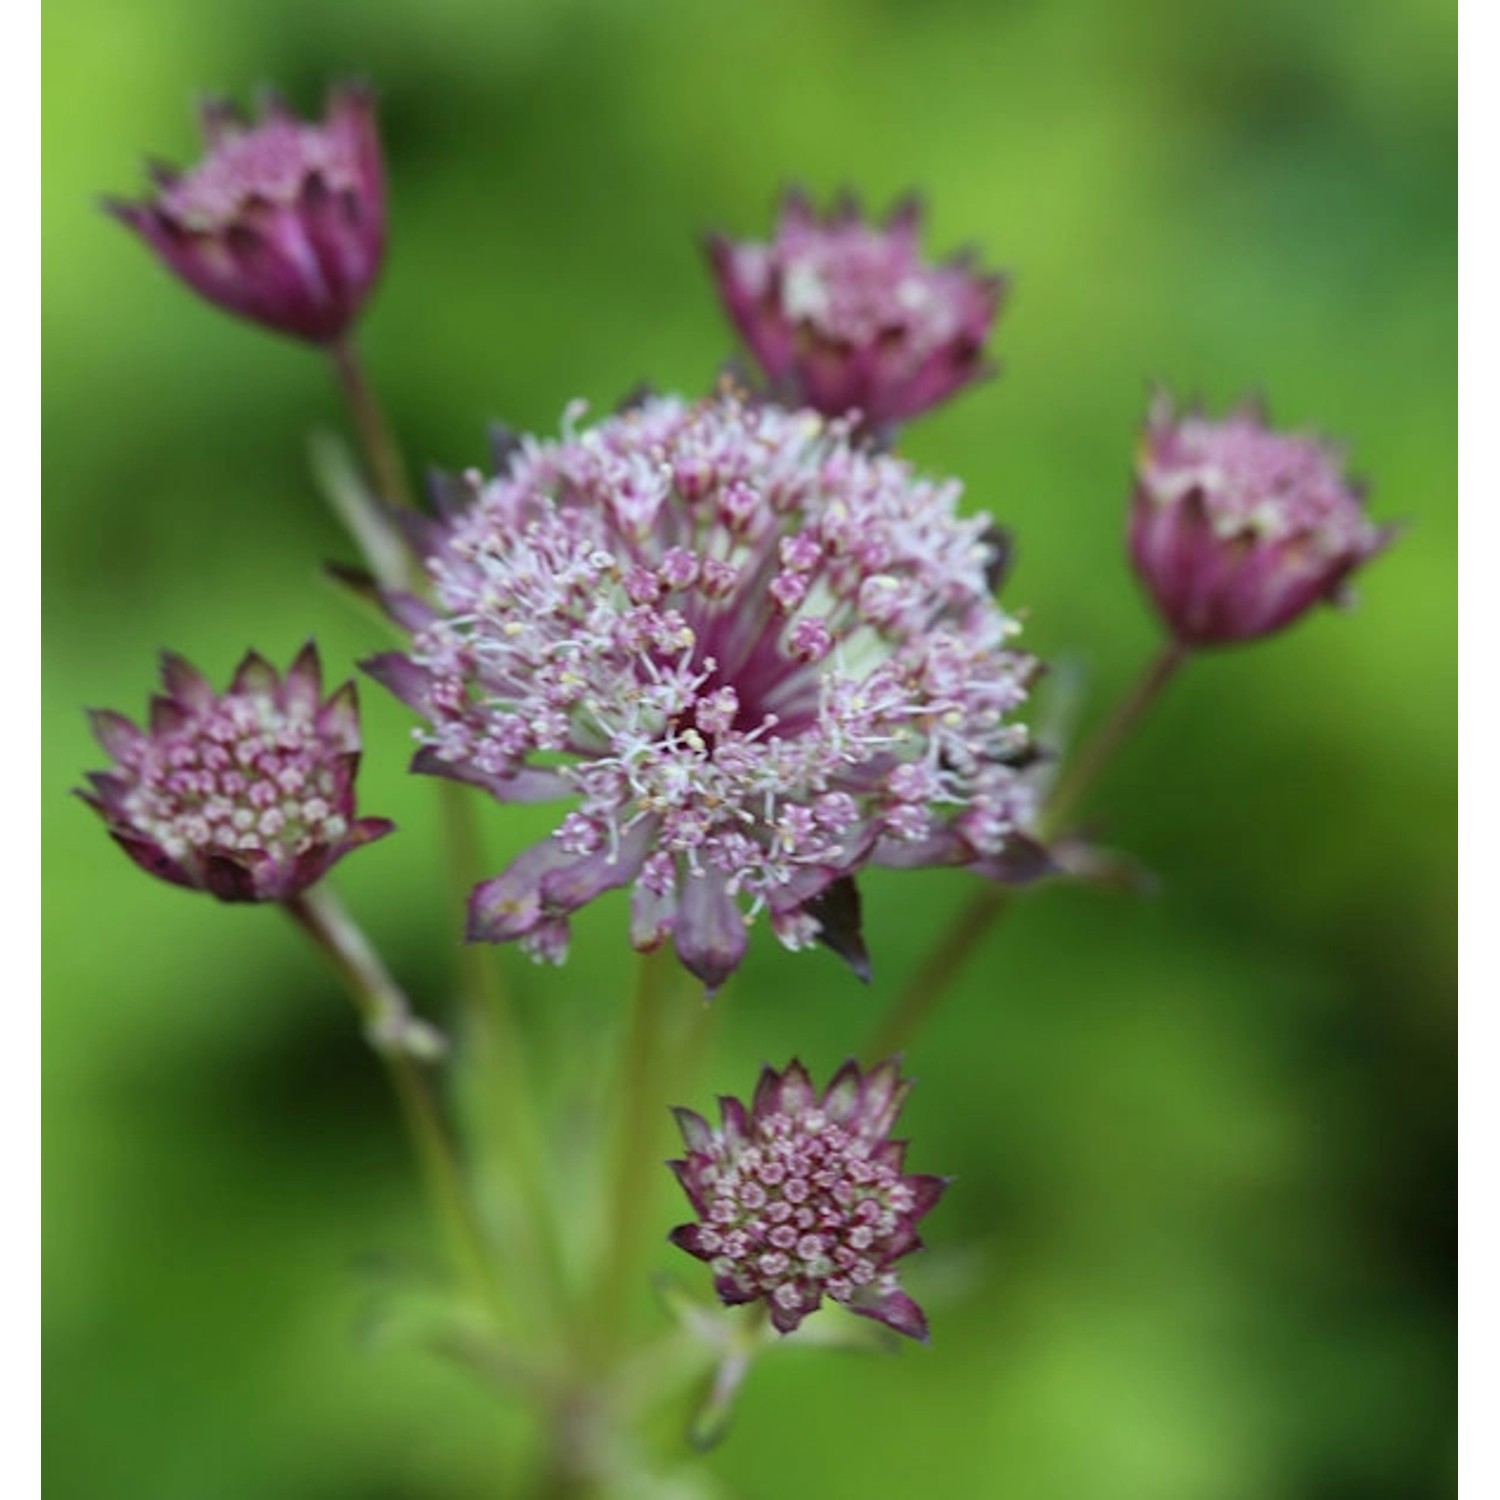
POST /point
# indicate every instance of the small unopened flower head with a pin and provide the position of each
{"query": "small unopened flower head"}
(802, 1196)
(755, 657)
(844, 314)
(282, 222)
(1236, 529)
(247, 794)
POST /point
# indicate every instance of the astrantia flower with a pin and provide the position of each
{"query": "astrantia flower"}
(844, 315)
(247, 794)
(802, 1197)
(282, 222)
(1236, 529)
(755, 657)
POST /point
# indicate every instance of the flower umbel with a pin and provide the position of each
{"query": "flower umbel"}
(1237, 529)
(844, 314)
(282, 222)
(758, 657)
(802, 1196)
(247, 794)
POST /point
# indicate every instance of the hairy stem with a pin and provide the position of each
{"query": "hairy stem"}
(400, 1040)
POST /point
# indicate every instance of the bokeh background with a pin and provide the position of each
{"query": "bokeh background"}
(1202, 1246)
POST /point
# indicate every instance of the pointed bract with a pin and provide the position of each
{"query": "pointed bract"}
(248, 794)
(802, 1197)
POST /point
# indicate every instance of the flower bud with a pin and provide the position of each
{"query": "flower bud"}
(282, 222)
(844, 315)
(1237, 529)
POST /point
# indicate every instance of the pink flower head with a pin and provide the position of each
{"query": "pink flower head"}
(845, 315)
(1237, 529)
(248, 794)
(282, 222)
(756, 657)
(802, 1196)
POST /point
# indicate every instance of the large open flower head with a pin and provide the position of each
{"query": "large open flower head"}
(282, 222)
(754, 656)
(802, 1196)
(246, 794)
(1236, 529)
(845, 314)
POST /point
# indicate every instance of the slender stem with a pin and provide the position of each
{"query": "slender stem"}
(493, 1029)
(490, 1018)
(1078, 780)
(927, 988)
(390, 1025)
(931, 983)
(382, 452)
(639, 1112)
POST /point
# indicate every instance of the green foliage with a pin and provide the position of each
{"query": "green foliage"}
(1201, 1247)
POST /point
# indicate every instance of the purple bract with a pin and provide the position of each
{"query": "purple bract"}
(247, 794)
(757, 657)
(282, 222)
(802, 1197)
(845, 315)
(1236, 529)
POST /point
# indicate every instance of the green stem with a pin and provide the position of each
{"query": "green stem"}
(932, 982)
(490, 1023)
(376, 437)
(640, 1113)
(1079, 778)
(942, 966)
(400, 1040)
(493, 1030)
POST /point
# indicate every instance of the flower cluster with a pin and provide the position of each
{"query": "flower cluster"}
(758, 657)
(247, 794)
(1237, 529)
(844, 315)
(282, 222)
(802, 1196)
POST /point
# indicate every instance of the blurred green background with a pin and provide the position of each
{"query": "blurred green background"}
(1202, 1243)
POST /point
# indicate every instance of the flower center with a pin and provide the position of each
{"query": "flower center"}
(241, 775)
(803, 1207)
